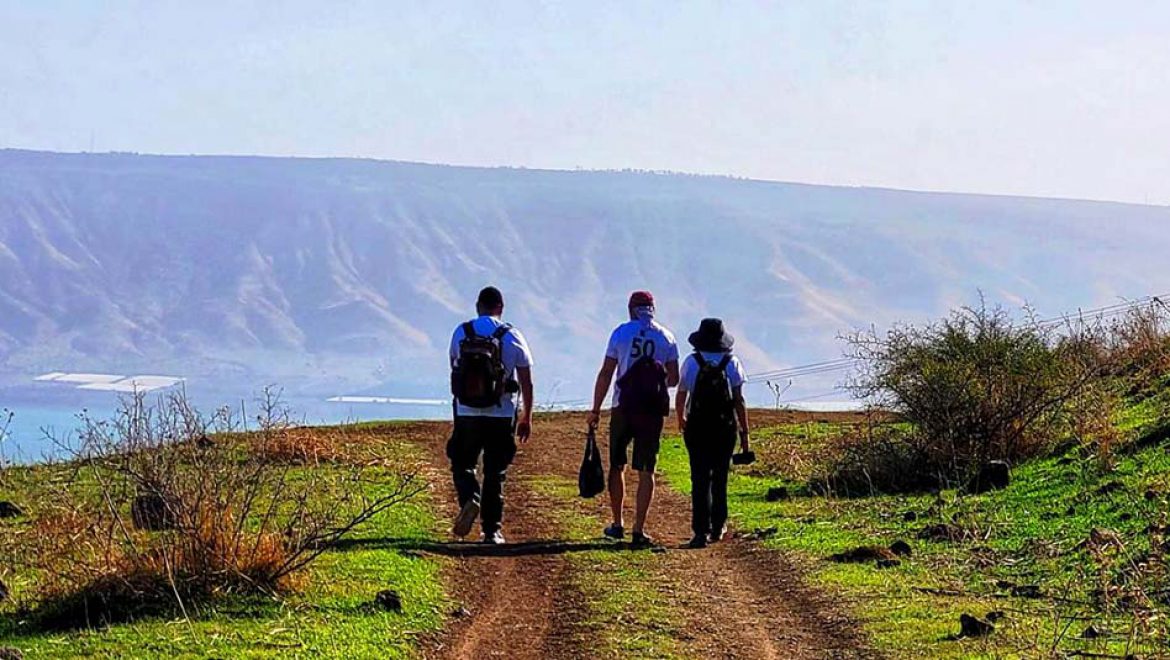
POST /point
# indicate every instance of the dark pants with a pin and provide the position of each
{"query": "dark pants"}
(495, 439)
(709, 450)
(644, 430)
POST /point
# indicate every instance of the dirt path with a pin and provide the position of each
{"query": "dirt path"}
(739, 600)
(518, 600)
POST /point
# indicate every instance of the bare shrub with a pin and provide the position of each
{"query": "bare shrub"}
(6, 417)
(873, 458)
(237, 520)
(1139, 347)
(793, 455)
(978, 385)
(300, 446)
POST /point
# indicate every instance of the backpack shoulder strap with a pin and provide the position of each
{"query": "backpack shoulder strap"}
(501, 331)
(699, 360)
(725, 361)
(469, 330)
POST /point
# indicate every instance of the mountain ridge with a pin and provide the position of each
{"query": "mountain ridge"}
(340, 276)
(553, 170)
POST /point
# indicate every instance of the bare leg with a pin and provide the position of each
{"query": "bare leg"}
(645, 497)
(617, 493)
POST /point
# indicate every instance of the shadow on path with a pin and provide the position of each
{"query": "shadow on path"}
(474, 549)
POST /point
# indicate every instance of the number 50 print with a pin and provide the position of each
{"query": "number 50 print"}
(642, 347)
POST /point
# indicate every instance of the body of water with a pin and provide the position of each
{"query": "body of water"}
(31, 431)
(36, 432)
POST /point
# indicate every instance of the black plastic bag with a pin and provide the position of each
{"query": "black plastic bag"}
(591, 478)
(743, 458)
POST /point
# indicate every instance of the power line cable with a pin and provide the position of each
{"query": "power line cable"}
(841, 364)
(844, 363)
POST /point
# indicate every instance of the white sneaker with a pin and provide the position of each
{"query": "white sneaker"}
(466, 518)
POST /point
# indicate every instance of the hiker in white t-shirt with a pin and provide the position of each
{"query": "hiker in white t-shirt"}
(490, 362)
(644, 357)
(711, 412)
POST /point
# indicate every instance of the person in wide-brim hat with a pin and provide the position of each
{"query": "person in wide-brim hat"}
(711, 337)
(711, 413)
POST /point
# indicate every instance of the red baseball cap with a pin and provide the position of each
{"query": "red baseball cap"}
(641, 299)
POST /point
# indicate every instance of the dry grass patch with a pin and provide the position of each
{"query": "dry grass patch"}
(163, 509)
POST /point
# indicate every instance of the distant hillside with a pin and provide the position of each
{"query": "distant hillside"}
(342, 276)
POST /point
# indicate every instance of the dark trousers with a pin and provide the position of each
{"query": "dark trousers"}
(709, 450)
(495, 439)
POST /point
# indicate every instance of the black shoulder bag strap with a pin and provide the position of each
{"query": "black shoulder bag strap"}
(469, 331)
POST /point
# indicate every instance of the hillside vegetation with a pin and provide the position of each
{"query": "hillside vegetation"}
(1069, 558)
(855, 534)
(257, 542)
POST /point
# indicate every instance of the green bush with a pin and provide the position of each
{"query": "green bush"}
(973, 387)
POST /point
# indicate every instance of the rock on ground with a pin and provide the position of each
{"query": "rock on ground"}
(993, 475)
(389, 600)
(973, 627)
(862, 553)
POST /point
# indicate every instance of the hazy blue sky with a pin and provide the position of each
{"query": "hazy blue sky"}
(1057, 98)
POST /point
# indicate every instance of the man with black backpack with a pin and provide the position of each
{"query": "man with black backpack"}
(490, 362)
(644, 356)
(710, 409)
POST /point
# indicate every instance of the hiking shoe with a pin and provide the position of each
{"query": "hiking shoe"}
(640, 540)
(699, 541)
(494, 538)
(615, 532)
(466, 518)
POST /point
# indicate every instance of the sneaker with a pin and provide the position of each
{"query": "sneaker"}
(615, 532)
(495, 538)
(699, 541)
(466, 518)
(640, 540)
(719, 535)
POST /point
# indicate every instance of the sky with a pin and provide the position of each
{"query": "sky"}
(1052, 98)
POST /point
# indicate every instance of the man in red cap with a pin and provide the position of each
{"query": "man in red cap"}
(644, 356)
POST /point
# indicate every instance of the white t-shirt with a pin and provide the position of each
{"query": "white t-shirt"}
(634, 339)
(689, 371)
(513, 353)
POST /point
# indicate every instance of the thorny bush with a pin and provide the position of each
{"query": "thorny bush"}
(164, 508)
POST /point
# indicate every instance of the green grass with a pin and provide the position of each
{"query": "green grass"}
(332, 616)
(1028, 534)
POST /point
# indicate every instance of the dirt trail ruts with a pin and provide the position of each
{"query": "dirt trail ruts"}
(739, 599)
(518, 599)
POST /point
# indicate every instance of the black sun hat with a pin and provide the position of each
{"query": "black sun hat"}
(711, 337)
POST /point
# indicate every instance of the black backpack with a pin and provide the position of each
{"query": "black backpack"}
(478, 379)
(712, 402)
(643, 388)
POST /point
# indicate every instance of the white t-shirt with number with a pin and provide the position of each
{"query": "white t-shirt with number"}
(632, 340)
